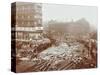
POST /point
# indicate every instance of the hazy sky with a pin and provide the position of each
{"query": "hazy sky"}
(69, 12)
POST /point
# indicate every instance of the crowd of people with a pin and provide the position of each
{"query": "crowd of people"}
(70, 54)
(31, 49)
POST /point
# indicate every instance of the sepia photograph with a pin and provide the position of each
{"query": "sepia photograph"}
(53, 37)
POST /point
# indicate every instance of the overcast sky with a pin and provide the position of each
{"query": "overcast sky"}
(69, 12)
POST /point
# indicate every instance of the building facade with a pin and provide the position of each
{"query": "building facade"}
(28, 24)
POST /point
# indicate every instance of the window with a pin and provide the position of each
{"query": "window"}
(35, 16)
(22, 23)
(39, 21)
(35, 23)
(28, 23)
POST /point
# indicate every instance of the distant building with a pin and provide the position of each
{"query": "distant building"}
(27, 20)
